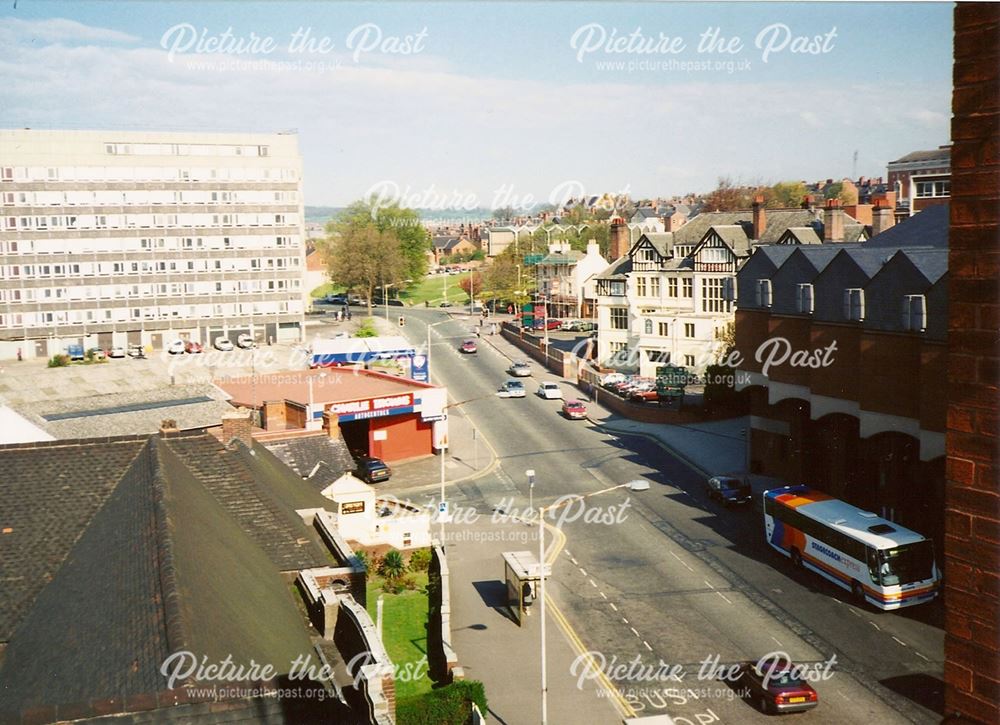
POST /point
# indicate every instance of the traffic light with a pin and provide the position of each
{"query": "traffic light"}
(402, 320)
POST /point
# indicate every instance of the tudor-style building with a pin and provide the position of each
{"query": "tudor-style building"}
(669, 297)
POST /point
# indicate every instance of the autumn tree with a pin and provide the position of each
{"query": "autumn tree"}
(727, 196)
(786, 195)
(471, 284)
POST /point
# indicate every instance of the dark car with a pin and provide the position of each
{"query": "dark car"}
(446, 303)
(774, 686)
(729, 489)
(372, 470)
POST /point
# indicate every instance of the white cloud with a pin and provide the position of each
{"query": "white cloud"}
(56, 30)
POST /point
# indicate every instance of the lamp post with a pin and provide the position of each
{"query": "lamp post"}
(636, 485)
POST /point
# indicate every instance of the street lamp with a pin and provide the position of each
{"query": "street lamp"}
(636, 485)
(530, 473)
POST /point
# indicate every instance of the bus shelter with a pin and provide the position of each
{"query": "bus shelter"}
(522, 574)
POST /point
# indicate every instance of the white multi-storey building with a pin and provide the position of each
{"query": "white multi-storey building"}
(562, 276)
(111, 238)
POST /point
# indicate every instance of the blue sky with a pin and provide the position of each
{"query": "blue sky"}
(499, 96)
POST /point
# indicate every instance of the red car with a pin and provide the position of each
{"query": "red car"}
(644, 396)
(192, 347)
(574, 410)
(776, 685)
(468, 347)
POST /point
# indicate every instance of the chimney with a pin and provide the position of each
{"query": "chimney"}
(237, 425)
(619, 238)
(331, 424)
(833, 222)
(882, 216)
(759, 217)
(673, 222)
(168, 426)
(593, 248)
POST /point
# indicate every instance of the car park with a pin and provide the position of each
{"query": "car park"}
(511, 389)
(729, 489)
(116, 351)
(176, 347)
(574, 410)
(96, 353)
(519, 369)
(192, 347)
(775, 685)
(245, 341)
(611, 378)
(468, 347)
(549, 391)
(372, 470)
(223, 344)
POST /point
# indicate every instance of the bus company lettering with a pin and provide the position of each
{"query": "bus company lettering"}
(823, 550)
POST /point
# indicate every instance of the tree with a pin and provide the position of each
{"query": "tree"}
(787, 195)
(727, 196)
(393, 566)
(471, 284)
(360, 257)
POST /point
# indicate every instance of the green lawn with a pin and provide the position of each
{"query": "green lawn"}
(404, 631)
(432, 289)
(326, 289)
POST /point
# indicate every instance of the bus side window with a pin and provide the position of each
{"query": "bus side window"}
(873, 564)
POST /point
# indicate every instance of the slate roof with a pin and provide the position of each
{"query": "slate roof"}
(122, 551)
(800, 235)
(943, 154)
(304, 454)
(932, 263)
(571, 257)
(617, 270)
(734, 236)
(927, 228)
(646, 213)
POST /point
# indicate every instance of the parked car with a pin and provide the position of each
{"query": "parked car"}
(468, 347)
(446, 303)
(520, 369)
(192, 347)
(245, 341)
(549, 391)
(574, 410)
(336, 299)
(775, 687)
(644, 395)
(116, 351)
(586, 326)
(569, 325)
(611, 378)
(511, 389)
(176, 347)
(729, 489)
(372, 470)
(223, 344)
(96, 353)
(136, 351)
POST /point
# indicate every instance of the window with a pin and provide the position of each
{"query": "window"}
(805, 299)
(688, 287)
(854, 304)
(729, 289)
(648, 327)
(7, 174)
(616, 348)
(654, 286)
(763, 298)
(689, 361)
(664, 329)
(619, 318)
(617, 289)
(640, 286)
(688, 329)
(712, 295)
(714, 255)
(648, 255)
(672, 287)
(914, 313)
(927, 189)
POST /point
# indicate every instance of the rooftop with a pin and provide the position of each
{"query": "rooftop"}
(328, 385)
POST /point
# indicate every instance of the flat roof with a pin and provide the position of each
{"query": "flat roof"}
(329, 385)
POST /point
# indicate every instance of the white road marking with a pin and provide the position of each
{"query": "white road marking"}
(681, 561)
(624, 620)
(900, 641)
(707, 584)
(593, 584)
(634, 632)
(777, 640)
(874, 625)
(723, 596)
(582, 570)
(566, 552)
(647, 645)
(854, 612)
(843, 695)
(921, 656)
(575, 562)
(603, 595)
(613, 606)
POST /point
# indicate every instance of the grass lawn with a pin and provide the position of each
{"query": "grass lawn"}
(404, 631)
(432, 289)
(326, 289)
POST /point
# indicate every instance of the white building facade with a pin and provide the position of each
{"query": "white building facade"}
(562, 277)
(115, 238)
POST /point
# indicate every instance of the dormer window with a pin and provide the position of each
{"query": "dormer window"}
(804, 300)
(648, 255)
(914, 313)
(854, 304)
(763, 296)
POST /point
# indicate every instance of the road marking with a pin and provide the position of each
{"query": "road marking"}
(634, 632)
(843, 695)
(681, 561)
(575, 562)
(605, 596)
(874, 625)
(854, 612)
(921, 656)
(566, 552)
(624, 620)
(707, 584)
(613, 606)
(582, 570)
(723, 596)
(777, 640)
(647, 645)
(593, 584)
(900, 641)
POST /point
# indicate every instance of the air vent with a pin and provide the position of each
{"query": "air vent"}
(881, 529)
(867, 515)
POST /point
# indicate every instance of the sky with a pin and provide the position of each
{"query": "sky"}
(482, 104)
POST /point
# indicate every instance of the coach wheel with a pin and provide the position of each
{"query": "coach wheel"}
(858, 591)
(796, 558)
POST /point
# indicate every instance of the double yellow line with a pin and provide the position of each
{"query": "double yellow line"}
(620, 703)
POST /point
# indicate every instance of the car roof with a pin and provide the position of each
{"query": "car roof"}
(573, 403)
(550, 384)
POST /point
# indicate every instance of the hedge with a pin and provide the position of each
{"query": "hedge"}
(449, 705)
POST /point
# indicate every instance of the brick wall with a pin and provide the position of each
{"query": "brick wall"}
(972, 496)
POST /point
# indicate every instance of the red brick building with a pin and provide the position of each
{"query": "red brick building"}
(972, 498)
(920, 179)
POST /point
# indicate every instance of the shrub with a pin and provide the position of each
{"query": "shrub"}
(366, 329)
(408, 582)
(59, 361)
(393, 566)
(449, 705)
(420, 560)
(364, 559)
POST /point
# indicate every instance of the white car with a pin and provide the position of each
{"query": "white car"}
(520, 369)
(549, 391)
(116, 351)
(176, 347)
(511, 389)
(223, 344)
(245, 341)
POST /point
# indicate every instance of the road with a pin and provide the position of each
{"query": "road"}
(674, 578)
